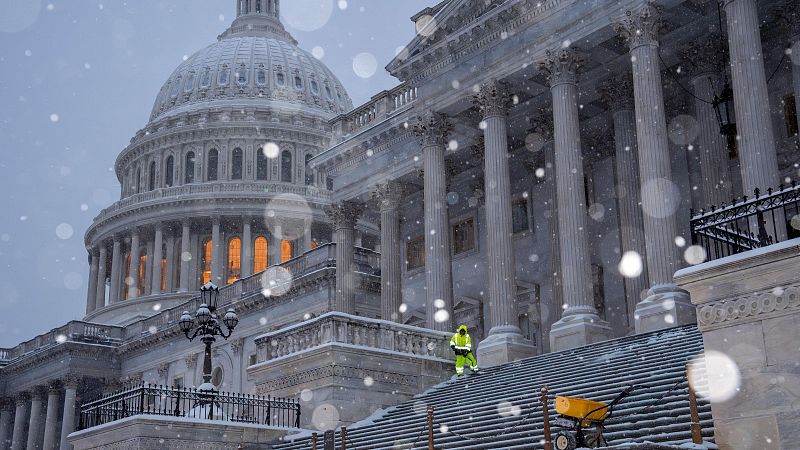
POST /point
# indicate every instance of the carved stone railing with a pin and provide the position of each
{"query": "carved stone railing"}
(75, 331)
(245, 187)
(348, 330)
(378, 108)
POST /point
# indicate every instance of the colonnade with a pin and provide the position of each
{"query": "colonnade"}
(172, 257)
(40, 418)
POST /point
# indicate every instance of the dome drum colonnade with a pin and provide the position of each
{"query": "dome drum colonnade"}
(639, 121)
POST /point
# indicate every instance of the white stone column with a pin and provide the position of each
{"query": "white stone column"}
(344, 216)
(21, 416)
(216, 252)
(156, 257)
(51, 422)
(756, 141)
(147, 270)
(68, 420)
(132, 281)
(170, 268)
(247, 247)
(117, 268)
(6, 422)
(432, 131)
(618, 95)
(186, 256)
(274, 245)
(579, 324)
(711, 146)
(504, 342)
(666, 304)
(36, 424)
(91, 292)
(102, 273)
(307, 237)
(388, 196)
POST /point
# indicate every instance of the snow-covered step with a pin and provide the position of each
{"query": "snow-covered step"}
(500, 407)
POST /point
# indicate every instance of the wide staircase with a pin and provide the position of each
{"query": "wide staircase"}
(501, 408)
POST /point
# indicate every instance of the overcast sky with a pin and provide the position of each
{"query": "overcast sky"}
(77, 80)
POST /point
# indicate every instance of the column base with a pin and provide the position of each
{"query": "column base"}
(504, 344)
(665, 306)
(578, 330)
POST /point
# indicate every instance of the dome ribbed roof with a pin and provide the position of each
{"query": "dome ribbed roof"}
(252, 63)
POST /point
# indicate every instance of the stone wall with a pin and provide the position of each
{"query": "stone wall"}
(748, 308)
(158, 433)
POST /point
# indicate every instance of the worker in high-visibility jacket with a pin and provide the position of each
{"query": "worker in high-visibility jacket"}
(461, 344)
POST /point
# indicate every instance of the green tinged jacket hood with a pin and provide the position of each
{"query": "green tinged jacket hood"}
(462, 327)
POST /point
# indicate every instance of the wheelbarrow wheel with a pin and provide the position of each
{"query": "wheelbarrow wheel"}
(565, 441)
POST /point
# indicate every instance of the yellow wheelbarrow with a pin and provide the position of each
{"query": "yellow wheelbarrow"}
(581, 421)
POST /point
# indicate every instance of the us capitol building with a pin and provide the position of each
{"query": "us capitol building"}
(531, 176)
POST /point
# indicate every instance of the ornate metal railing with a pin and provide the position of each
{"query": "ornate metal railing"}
(190, 403)
(748, 223)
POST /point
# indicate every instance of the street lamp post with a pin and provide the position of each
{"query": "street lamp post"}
(206, 325)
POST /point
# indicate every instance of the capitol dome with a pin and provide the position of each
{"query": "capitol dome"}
(255, 59)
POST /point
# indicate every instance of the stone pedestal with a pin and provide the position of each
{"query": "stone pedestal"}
(664, 307)
(748, 308)
(344, 368)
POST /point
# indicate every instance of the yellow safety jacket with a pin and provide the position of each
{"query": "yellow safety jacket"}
(462, 342)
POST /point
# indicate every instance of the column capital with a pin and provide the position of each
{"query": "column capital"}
(54, 386)
(344, 214)
(617, 93)
(163, 370)
(706, 58)
(432, 128)
(6, 403)
(542, 125)
(388, 195)
(191, 361)
(71, 381)
(642, 26)
(561, 65)
(22, 398)
(493, 98)
(39, 393)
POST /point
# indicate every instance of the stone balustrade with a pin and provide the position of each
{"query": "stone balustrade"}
(75, 331)
(378, 108)
(347, 330)
(202, 189)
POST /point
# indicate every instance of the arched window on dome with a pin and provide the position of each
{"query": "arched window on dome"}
(151, 182)
(188, 176)
(208, 251)
(262, 165)
(212, 170)
(280, 78)
(286, 166)
(138, 180)
(298, 82)
(234, 260)
(224, 75)
(169, 172)
(176, 87)
(260, 254)
(258, 6)
(261, 76)
(189, 85)
(314, 87)
(205, 81)
(236, 164)
(328, 92)
(309, 172)
(241, 74)
(286, 250)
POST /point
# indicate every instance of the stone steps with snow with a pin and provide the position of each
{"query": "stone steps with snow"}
(499, 408)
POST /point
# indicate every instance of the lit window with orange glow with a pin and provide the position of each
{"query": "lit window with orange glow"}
(208, 250)
(142, 272)
(260, 255)
(163, 274)
(314, 244)
(234, 260)
(286, 250)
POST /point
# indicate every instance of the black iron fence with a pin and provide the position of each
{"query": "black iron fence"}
(190, 403)
(748, 223)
